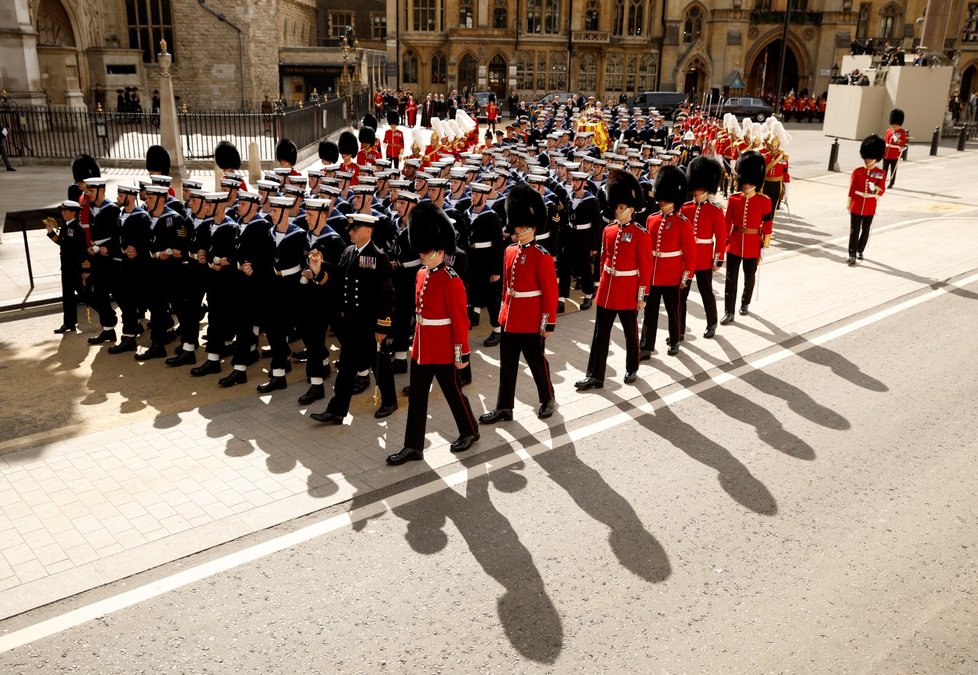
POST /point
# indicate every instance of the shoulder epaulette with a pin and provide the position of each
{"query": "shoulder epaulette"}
(542, 249)
(451, 272)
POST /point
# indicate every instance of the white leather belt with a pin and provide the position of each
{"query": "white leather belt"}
(704, 241)
(411, 263)
(666, 254)
(482, 244)
(432, 322)
(541, 237)
(581, 226)
(525, 294)
(99, 242)
(866, 195)
(891, 145)
(620, 273)
(289, 272)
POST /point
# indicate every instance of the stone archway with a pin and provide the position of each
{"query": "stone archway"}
(497, 77)
(57, 54)
(763, 60)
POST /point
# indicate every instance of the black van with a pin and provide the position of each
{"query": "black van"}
(666, 102)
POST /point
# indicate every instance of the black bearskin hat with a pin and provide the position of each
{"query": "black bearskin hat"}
(286, 151)
(348, 143)
(896, 116)
(369, 121)
(623, 188)
(429, 229)
(328, 152)
(872, 147)
(158, 159)
(751, 168)
(670, 186)
(393, 117)
(84, 167)
(525, 208)
(367, 135)
(704, 173)
(226, 156)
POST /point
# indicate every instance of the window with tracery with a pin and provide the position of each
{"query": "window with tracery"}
(693, 24)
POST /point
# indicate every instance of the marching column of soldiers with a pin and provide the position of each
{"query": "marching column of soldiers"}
(399, 264)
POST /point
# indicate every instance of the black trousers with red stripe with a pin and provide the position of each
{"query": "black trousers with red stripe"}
(704, 282)
(655, 296)
(531, 346)
(417, 417)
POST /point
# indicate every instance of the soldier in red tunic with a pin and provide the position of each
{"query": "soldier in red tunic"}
(710, 232)
(348, 150)
(673, 258)
(529, 311)
(441, 334)
(749, 219)
(394, 139)
(369, 153)
(896, 141)
(866, 186)
(626, 268)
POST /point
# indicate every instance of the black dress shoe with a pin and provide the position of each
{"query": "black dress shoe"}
(630, 377)
(406, 390)
(727, 318)
(710, 332)
(404, 455)
(546, 409)
(681, 338)
(301, 355)
(208, 367)
(493, 339)
(274, 383)
(385, 411)
(851, 261)
(315, 393)
(645, 354)
(743, 310)
(498, 415)
(64, 328)
(233, 378)
(184, 358)
(326, 417)
(399, 366)
(586, 303)
(560, 307)
(127, 344)
(107, 335)
(463, 443)
(673, 349)
(589, 383)
(361, 383)
(859, 256)
(156, 351)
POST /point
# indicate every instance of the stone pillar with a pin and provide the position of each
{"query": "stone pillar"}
(20, 71)
(935, 27)
(169, 125)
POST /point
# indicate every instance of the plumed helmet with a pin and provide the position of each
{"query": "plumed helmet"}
(751, 168)
(670, 185)
(704, 173)
(872, 147)
(896, 116)
(328, 152)
(348, 143)
(623, 188)
(429, 229)
(393, 117)
(369, 121)
(158, 159)
(226, 156)
(84, 167)
(525, 208)
(286, 151)
(367, 135)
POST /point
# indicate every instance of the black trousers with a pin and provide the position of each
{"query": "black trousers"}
(670, 295)
(358, 351)
(733, 276)
(402, 316)
(704, 282)
(221, 288)
(314, 315)
(195, 286)
(280, 317)
(577, 257)
(531, 346)
(858, 233)
(71, 290)
(604, 319)
(890, 167)
(160, 281)
(102, 285)
(488, 294)
(773, 189)
(417, 417)
(132, 276)
(247, 306)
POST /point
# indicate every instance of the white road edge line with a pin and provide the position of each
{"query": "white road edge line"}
(449, 476)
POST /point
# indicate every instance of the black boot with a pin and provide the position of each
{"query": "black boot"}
(107, 335)
(155, 351)
(208, 367)
(184, 358)
(316, 392)
(127, 344)
(233, 378)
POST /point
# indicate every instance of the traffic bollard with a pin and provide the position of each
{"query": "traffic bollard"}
(934, 141)
(834, 156)
(962, 139)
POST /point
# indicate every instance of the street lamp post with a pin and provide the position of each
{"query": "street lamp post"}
(350, 47)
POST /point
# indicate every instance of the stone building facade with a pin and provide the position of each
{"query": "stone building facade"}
(226, 53)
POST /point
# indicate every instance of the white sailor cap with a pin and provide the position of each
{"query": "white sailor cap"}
(294, 190)
(282, 170)
(416, 163)
(280, 202)
(192, 185)
(423, 175)
(536, 178)
(128, 189)
(580, 175)
(161, 180)
(268, 185)
(480, 187)
(95, 182)
(332, 167)
(316, 204)
(197, 193)
(157, 189)
(458, 173)
(438, 183)
(362, 220)
(315, 173)
(400, 184)
(215, 197)
(297, 180)
(71, 205)
(407, 196)
(344, 175)
(252, 197)
(572, 166)
(383, 163)
(231, 182)
(330, 190)
(653, 162)
(363, 189)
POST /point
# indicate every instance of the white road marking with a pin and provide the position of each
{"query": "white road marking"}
(450, 476)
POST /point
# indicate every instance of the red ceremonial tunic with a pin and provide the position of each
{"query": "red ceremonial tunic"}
(777, 167)
(749, 220)
(865, 187)
(353, 168)
(673, 248)
(442, 316)
(530, 289)
(368, 155)
(896, 141)
(626, 266)
(709, 231)
(394, 140)
(411, 112)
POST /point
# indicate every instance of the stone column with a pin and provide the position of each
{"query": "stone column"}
(169, 125)
(20, 71)
(935, 27)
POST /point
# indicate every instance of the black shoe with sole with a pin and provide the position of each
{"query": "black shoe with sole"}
(327, 417)
(63, 329)
(127, 344)
(631, 377)
(184, 358)
(274, 383)
(546, 409)
(586, 303)
(498, 415)
(404, 455)
(589, 383)
(385, 411)
(361, 383)
(315, 392)
(107, 335)
(208, 367)
(156, 351)
(710, 332)
(851, 261)
(463, 443)
(727, 318)
(233, 378)
(492, 340)
(744, 310)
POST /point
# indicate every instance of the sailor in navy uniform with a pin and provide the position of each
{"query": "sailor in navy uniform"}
(104, 253)
(134, 230)
(406, 266)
